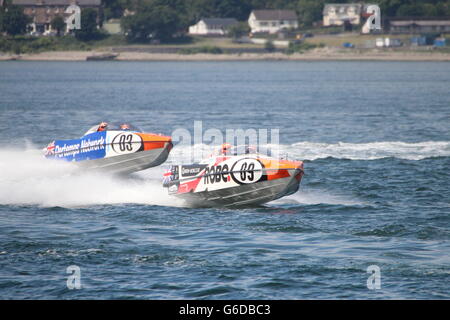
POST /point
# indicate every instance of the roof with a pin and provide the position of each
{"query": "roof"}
(57, 2)
(275, 14)
(223, 22)
(342, 7)
(422, 23)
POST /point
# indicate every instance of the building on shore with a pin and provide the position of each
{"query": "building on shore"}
(419, 25)
(112, 26)
(339, 14)
(272, 21)
(212, 26)
(347, 15)
(42, 12)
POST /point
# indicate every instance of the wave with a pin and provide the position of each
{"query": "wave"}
(314, 197)
(341, 150)
(368, 151)
(26, 178)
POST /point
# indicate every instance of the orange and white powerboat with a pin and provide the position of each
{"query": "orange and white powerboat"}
(234, 177)
(114, 148)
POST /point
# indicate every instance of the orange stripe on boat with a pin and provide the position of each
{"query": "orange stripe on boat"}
(154, 141)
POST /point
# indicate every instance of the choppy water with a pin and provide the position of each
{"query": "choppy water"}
(375, 137)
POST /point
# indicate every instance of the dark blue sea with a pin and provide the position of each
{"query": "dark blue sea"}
(374, 136)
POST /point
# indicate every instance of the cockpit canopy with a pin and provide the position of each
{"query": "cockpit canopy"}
(114, 126)
(245, 149)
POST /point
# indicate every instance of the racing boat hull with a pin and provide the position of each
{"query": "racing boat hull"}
(236, 181)
(245, 195)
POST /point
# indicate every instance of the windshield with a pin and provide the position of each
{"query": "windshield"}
(109, 126)
(248, 149)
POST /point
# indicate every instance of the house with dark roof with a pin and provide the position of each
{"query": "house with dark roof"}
(42, 12)
(272, 21)
(418, 25)
(212, 26)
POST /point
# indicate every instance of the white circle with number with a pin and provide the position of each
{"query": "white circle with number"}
(126, 142)
(246, 171)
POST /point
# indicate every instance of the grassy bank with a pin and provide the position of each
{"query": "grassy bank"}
(29, 44)
(21, 45)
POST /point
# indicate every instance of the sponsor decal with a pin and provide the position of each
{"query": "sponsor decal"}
(90, 147)
(216, 174)
(191, 170)
(50, 151)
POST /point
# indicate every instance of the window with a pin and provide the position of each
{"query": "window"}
(263, 24)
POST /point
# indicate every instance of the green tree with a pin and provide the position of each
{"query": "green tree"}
(88, 29)
(309, 11)
(151, 21)
(415, 9)
(115, 8)
(14, 21)
(58, 24)
(238, 9)
(1, 19)
(239, 30)
(269, 46)
(443, 8)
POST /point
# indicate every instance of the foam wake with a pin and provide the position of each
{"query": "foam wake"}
(313, 197)
(26, 178)
(341, 150)
(369, 151)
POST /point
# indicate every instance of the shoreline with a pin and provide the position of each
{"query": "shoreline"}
(313, 55)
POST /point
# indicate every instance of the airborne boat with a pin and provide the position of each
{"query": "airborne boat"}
(114, 148)
(236, 177)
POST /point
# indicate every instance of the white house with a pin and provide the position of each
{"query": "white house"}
(272, 21)
(42, 12)
(337, 14)
(212, 26)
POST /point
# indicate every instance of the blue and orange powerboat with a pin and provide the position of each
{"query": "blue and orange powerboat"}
(115, 148)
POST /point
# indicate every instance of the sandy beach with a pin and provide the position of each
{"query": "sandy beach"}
(322, 54)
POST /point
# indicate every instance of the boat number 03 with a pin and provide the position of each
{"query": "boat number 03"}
(126, 143)
(246, 171)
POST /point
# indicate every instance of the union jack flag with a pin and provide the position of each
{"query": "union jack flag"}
(50, 149)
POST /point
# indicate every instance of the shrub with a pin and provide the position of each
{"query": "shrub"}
(204, 49)
(302, 47)
(269, 46)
